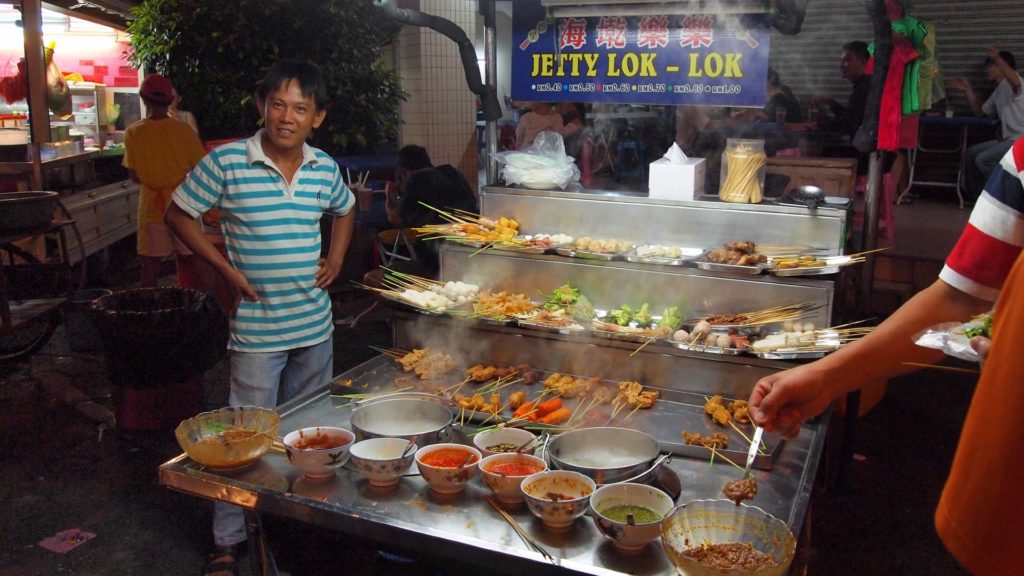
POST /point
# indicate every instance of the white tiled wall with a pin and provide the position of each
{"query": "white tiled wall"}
(440, 113)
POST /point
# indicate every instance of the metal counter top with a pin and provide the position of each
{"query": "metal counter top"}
(463, 527)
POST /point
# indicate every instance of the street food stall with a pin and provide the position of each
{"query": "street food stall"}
(715, 278)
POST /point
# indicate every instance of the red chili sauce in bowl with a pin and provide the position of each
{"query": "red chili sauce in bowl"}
(514, 468)
(448, 458)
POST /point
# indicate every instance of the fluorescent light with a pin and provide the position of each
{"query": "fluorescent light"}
(594, 8)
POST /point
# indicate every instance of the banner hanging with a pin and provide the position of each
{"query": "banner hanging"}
(680, 59)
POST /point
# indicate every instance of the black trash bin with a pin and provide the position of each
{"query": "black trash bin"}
(158, 342)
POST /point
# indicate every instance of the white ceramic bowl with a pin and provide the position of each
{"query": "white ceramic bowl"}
(506, 487)
(319, 450)
(448, 479)
(498, 436)
(574, 490)
(629, 537)
(380, 460)
(720, 522)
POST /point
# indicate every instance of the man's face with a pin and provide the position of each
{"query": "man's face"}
(994, 74)
(290, 116)
(851, 66)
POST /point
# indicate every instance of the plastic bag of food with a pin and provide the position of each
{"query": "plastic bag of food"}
(954, 338)
(540, 166)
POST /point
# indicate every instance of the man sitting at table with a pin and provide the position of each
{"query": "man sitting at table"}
(1006, 103)
(847, 119)
(442, 187)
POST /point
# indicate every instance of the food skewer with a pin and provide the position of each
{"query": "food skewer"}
(530, 542)
(939, 367)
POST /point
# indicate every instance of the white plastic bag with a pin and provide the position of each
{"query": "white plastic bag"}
(540, 166)
(954, 338)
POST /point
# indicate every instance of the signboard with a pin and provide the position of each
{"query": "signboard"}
(679, 59)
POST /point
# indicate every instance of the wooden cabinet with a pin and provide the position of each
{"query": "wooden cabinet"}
(104, 215)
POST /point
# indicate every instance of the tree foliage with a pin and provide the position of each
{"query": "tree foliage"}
(215, 52)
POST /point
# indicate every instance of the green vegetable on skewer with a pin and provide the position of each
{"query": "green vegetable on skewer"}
(671, 319)
(980, 325)
(643, 317)
(621, 316)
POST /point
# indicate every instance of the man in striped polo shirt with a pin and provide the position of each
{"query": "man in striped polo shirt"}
(271, 190)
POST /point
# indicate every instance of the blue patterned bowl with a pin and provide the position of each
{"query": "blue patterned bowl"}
(318, 451)
(381, 461)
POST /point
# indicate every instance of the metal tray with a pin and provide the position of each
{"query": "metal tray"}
(571, 329)
(783, 354)
(606, 256)
(811, 271)
(409, 307)
(676, 411)
(703, 348)
(625, 336)
(832, 266)
(704, 264)
(741, 329)
(688, 256)
(528, 249)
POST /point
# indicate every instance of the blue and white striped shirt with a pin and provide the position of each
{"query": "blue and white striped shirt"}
(272, 233)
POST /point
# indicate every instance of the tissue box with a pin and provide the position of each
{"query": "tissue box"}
(669, 181)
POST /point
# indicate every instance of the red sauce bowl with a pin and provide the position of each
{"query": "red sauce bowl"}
(447, 468)
(504, 473)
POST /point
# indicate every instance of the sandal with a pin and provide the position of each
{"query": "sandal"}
(221, 562)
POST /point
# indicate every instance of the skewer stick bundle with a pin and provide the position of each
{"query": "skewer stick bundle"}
(743, 165)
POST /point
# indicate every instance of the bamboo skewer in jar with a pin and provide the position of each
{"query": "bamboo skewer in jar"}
(743, 164)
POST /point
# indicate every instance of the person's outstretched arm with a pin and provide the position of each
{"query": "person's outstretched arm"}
(781, 401)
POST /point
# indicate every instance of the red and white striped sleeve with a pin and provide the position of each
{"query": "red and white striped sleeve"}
(994, 236)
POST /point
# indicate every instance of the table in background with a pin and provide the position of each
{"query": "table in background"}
(961, 123)
(380, 166)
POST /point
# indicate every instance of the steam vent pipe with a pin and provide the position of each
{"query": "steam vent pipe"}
(467, 53)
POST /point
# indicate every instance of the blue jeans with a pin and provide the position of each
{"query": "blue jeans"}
(981, 160)
(256, 380)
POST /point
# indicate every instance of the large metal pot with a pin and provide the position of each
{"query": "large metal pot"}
(607, 455)
(426, 417)
(26, 210)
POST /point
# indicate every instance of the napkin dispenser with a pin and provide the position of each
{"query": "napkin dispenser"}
(676, 176)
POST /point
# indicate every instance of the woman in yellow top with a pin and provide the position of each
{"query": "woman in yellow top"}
(159, 151)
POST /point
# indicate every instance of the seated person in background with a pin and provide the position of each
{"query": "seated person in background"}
(540, 117)
(780, 97)
(1006, 103)
(847, 119)
(442, 187)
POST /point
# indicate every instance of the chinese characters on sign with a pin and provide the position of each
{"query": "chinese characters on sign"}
(695, 59)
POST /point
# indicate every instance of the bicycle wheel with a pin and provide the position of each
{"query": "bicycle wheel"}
(30, 337)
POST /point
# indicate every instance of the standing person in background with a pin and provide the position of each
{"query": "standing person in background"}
(573, 120)
(442, 187)
(159, 152)
(1006, 103)
(847, 119)
(272, 190)
(974, 518)
(540, 117)
(184, 115)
